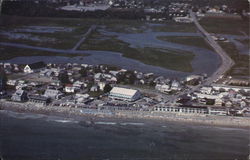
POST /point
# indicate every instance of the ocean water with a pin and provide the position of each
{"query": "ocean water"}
(40, 137)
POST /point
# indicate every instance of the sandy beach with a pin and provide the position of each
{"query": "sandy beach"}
(88, 114)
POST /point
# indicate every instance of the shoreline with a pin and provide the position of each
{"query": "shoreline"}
(75, 113)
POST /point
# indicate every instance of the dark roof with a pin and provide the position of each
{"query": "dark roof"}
(37, 65)
(37, 97)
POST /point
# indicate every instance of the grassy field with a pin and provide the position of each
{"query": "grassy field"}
(241, 67)
(174, 27)
(191, 41)
(225, 25)
(171, 59)
(245, 42)
(11, 52)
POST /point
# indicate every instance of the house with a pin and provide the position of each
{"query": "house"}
(163, 87)
(81, 98)
(31, 68)
(218, 102)
(19, 96)
(69, 88)
(12, 82)
(193, 77)
(39, 99)
(94, 88)
(206, 90)
(101, 85)
(175, 85)
(124, 94)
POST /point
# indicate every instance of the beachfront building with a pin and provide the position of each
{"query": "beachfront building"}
(19, 96)
(177, 109)
(53, 93)
(39, 99)
(31, 68)
(124, 94)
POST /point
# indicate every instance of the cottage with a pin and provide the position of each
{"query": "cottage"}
(69, 88)
(163, 87)
(175, 85)
(31, 68)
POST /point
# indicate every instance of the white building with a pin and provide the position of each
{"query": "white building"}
(124, 94)
(163, 87)
(53, 94)
(31, 68)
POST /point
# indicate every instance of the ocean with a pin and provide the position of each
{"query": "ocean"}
(25, 136)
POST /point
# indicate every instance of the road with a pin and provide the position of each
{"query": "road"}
(84, 37)
(226, 61)
(65, 51)
(18, 45)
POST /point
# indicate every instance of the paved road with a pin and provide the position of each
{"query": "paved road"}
(84, 37)
(226, 61)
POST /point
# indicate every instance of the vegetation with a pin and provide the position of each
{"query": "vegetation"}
(241, 67)
(171, 59)
(11, 52)
(245, 42)
(192, 41)
(225, 25)
(171, 26)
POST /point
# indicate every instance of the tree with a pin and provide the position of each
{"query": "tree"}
(63, 77)
(83, 72)
(3, 80)
(107, 88)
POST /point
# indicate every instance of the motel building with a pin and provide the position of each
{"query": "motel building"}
(190, 110)
(124, 94)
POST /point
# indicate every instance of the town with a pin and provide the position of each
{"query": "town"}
(109, 88)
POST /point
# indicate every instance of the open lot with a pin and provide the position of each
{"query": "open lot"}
(225, 26)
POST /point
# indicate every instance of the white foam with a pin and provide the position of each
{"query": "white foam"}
(135, 124)
(106, 123)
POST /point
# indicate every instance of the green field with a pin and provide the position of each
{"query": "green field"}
(171, 59)
(11, 52)
(241, 67)
(191, 41)
(171, 26)
(225, 26)
(245, 42)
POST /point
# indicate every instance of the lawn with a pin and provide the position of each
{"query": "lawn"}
(241, 67)
(191, 41)
(225, 26)
(170, 59)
